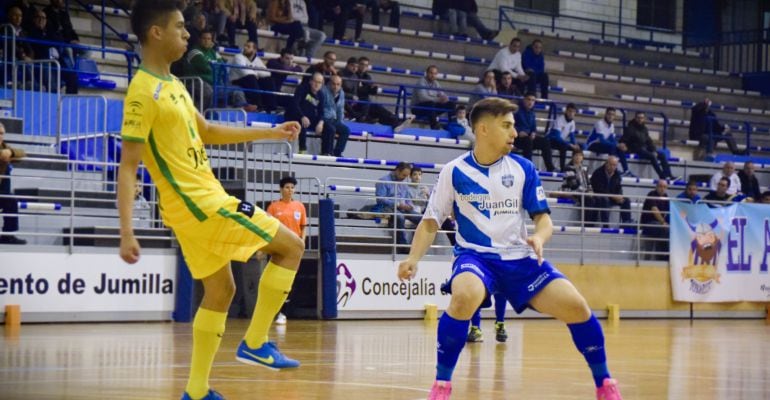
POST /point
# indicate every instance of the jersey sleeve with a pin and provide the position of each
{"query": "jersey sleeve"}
(139, 113)
(441, 200)
(534, 194)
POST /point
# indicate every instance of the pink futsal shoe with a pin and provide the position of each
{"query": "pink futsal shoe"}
(608, 391)
(440, 392)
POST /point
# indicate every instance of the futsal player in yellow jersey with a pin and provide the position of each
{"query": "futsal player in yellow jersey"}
(163, 129)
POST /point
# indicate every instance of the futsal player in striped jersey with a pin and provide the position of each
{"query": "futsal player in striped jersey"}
(489, 189)
(162, 128)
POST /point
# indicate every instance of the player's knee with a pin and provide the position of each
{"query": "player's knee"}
(463, 304)
(222, 295)
(578, 311)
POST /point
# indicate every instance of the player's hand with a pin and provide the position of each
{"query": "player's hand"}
(407, 270)
(537, 245)
(288, 130)
(129, 249)
(319, 128)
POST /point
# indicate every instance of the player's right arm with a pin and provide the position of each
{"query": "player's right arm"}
(131, 154)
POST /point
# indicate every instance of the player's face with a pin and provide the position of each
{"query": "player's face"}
(507, 80)
(692, 190)
(416, 176)
(501, 132)
(609, 116)
(249, 49)
(287, 59)
(514, 47)
(640, 119)
(570, 113)
(363, 66)
(352, 67)
(174, 35)
(430, 74)
(537, 48)
(661, 187)
(207, 40)
(722, 188)
(287, 191)
(577, 158)
(529, 102)
(335, 84)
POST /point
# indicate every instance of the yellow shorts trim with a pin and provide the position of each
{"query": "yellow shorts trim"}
(225, 236)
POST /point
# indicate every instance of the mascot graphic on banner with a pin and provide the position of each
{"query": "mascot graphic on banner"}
(346, 285)
(701, 269)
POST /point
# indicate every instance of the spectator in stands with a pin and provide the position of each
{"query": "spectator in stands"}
(749, 182)
(392, 198)
(250, 73)
(528, 139)
(23, 49)
(292, 214)
(706, 129)
(326, 67)
(142, 207)
(655, 220)
(533, 63)
(340, 11)
(607, 181)
(60, 26)
(765, 197)
(728, 171)
(508, 59)
(44, 51)
(309, 99)
(602, 140)
(8, 205)
(191, 10)
(576, 180)
(242, 14)
(440, 8)
(199, 60)
(637, 139)
(463, 12)
(690, 193)
(216, 15)
(506, 87)
(371, 111)
(279, 14)
(350, 84)
(385, 5)
(460, 126)
(720, 194)
(283, 63)
(485, 88)
(28, 11)
(419, 195)
(562, 134)
(333, 115)
(428, 100)
(197, 27)
(314, 38)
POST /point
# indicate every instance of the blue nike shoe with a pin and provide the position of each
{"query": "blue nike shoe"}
(211, 395)
(267, 356)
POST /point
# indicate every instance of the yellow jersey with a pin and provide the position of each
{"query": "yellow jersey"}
(159, 112)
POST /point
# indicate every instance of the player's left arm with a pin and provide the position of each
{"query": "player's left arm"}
(222, 134)
(543, 232)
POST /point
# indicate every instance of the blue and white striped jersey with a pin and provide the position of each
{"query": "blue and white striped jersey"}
(487, 203)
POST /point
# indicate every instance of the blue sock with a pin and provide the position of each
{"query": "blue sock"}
(476, 319)
(500, 302)
(451, 340)
(589, 340)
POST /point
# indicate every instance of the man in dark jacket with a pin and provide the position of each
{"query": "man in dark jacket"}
(309, 100)
(43, 51)
(533, 62)
(655, 220)
(706, 129)
(606, 180)
(637, 140)
(8, 205)
(527, 138)
(749, 182)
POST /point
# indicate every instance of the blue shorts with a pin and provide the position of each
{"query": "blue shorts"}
(518, 280)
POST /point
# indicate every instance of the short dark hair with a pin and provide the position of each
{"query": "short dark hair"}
(286, 180)
(352, 60)
(765, 194)
(328, 53)
(537, 41)
(530, 94)
(361, 59)
(416, 169)
(147, 13)
(608, 109)
(460, 107)
(726, 180)
(692, 182)
(402, 166)
(515, 40)
(207, 31)
(506, 73)
(571, 106)
(287, 51)
(492, 106)
(431, 66)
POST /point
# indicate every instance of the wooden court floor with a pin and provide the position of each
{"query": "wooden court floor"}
(371, 360)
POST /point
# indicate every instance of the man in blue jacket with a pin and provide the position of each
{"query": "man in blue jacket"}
(534, 66)
(528, 138)
(333, 114)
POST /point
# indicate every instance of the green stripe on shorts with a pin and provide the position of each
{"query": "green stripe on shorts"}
(246, 223)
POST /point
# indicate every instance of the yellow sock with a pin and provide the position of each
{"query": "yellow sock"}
(208, 328)
(274, 287)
